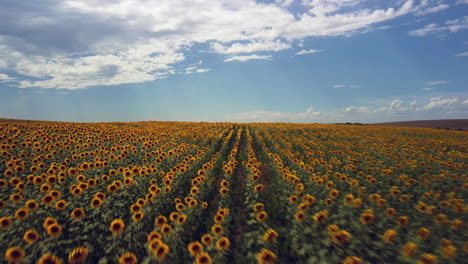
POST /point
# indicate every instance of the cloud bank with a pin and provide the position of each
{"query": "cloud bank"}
(73, 44)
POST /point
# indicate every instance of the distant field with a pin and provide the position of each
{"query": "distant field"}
(180, 192)
(453, 124)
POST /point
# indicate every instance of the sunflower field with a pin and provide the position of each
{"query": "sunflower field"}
(182, 192)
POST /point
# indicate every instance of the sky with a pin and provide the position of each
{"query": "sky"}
(307, 61)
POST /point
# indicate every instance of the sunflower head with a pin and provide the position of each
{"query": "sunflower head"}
(128, 258)
(203, 258)
(266, 257)
(14, 255)
(31, 236)
(49, 259)
(195, 248)
(117, 226)
(223, 243)
(78, 255)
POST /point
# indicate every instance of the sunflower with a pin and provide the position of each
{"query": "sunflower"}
(352, 260)
(441, 219)
(270, 235)
(409, 249)
(334, 193)
(154, 244)
(49, 221)
(128, 258)
(161, 251)
(321, 217)
(96, 203)
(160, 221)
(154, 235)
(49, 259)
(258, 207)
(166, 229)
(195, 248)
(14, 255)
(223, 243)
(203, 258)
(54, 230)
(403, 221)
(77, 214)
(427, 258)
(259, 187)
(31, 236)
(266, 256)
(423, 233)
(332, 228)
(138, 216)
(117, 226)
(217, 230)
(367, 218)
(300, 216)
(78, 255)
(390, 212)
(262, 216)
(174, 216)
(47, 200)
(206, 239)
(218, 218)
(389, 236)
(340, 237)
(293, 199)
(357, 202)
(60, 205)
(21, 214)
(16, 197)
(449, 252)
(223, 191)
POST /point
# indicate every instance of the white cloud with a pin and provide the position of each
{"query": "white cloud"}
(438, 102)
(427, 88)
(463, 54)
(254, 46)
(432, 83)
(248, 57)
(310, 51)
(431, 10)
(344, 86)
(271, 116)
(6, 78)
(339, 86)
(451, 26)
(81, 43)
(202, 70)
(394, 110)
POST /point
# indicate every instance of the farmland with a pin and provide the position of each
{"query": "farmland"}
(181, 192)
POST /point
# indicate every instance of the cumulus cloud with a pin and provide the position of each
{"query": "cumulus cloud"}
(439, 82)
(451, 26)
(438, 102)
(271, 116)
(248, 57)
(394, 110)
(5, 78)
(310, 51)
(74, 44)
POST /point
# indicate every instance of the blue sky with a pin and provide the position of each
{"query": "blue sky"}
(238, 60)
